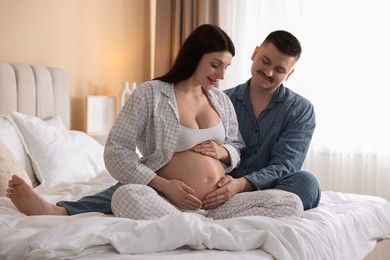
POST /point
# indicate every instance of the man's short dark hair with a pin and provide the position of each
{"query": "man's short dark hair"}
(285, 42)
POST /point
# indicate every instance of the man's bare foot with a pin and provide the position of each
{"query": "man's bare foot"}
(28, 202)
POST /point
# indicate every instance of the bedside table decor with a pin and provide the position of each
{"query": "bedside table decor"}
(100, 116)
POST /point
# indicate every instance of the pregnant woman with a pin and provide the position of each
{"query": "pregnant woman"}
(187, 132)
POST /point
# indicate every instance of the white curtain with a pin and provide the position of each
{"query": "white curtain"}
(343, 71)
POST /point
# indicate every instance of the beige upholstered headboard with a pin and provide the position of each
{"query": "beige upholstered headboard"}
(34, 90)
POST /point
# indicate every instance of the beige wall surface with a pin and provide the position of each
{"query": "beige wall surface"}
(100, 43)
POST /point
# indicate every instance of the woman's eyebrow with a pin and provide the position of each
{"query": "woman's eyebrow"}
(220, 61)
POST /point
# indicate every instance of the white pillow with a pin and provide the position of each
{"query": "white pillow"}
(56, 121)
(11, 137)
(9, 166)
(59, 155)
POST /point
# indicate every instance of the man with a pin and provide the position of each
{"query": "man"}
(277, 126)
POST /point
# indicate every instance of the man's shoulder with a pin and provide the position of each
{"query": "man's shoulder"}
(295, 97)
(234, 91)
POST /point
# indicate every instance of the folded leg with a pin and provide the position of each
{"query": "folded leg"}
(141, 202)
(270, 203)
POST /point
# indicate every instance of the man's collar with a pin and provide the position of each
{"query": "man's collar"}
(243, 93)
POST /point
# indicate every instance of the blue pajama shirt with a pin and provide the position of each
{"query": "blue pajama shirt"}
(276, 143)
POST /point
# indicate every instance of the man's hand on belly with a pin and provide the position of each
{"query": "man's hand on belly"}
(227, 187)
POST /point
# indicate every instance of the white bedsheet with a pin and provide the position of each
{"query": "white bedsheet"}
(344, 226)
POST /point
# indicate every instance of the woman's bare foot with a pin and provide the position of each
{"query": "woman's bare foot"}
(28, 202)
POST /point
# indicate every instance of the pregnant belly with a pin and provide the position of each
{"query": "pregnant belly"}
(198, 171)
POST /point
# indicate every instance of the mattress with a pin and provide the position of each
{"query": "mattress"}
(344, 226)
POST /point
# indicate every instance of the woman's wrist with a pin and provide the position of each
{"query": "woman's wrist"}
(158, 183)
(225, 158)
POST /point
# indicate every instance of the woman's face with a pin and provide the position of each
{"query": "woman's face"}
(211, 68)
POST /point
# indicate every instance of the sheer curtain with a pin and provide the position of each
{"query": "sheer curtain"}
(343, 71)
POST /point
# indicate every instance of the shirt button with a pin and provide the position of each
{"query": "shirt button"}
(255, 151)
(244, 167)
(256, 131)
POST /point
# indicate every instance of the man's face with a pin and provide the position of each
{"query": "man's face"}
(270, 67)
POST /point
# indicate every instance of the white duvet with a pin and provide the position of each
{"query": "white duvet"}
(344, 226)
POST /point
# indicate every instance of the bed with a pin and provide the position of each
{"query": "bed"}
(63, 164)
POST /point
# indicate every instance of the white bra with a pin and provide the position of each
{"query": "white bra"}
(190, 137)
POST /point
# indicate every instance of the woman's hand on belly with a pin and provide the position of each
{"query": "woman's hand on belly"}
(197, 171)
(177, 192)
(182, 195)
(214, 150)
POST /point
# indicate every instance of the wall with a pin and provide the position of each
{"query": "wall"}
(99, 43)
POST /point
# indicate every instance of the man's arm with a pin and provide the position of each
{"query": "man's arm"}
(289, 151)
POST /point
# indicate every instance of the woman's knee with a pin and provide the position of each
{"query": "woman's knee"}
(290, 204)
(126, 198)
(140, 202)
(280, 203)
